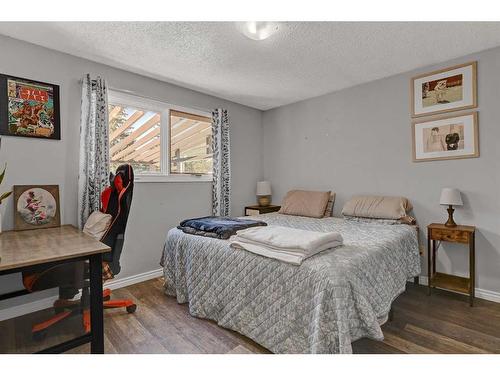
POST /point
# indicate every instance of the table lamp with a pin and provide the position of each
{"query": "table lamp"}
(450, 197)
(264, 193)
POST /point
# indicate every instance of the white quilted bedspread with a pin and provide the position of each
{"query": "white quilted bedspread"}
(330, 300)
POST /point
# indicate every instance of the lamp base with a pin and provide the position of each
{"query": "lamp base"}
(264, 200)
(450, 223)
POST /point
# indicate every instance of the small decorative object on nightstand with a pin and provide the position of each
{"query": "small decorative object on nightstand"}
(258, 210)
(450, 197)
(459, 234)
(264, 193)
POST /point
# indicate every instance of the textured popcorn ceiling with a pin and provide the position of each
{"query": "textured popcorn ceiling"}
(300, 61)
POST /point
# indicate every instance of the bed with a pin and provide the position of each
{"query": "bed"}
(330, 300)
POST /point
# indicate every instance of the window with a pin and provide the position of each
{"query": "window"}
(162, 142)
(190, 143)
(134, 137)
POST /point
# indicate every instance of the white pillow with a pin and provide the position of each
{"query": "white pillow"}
(97, 224)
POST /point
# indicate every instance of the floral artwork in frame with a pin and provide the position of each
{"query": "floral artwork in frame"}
(36, 206)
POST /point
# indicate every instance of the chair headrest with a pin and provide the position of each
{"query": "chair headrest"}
(123, 177)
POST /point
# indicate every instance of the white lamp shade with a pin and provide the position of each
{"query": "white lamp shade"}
(263, 188)
(450, 196)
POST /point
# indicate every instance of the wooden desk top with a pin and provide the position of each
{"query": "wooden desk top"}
(31, 247)
(464, 228)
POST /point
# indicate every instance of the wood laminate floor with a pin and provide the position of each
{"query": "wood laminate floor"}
(441, 323)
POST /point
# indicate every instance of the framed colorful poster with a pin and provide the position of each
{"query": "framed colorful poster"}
(452, 137)
(445, 90)
(29, 108)
(36, 206)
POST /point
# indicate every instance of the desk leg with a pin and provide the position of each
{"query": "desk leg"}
(96, 306)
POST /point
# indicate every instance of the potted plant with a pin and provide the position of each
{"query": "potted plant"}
(4, 195)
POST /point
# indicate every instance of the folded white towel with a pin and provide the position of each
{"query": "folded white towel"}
(287, 244)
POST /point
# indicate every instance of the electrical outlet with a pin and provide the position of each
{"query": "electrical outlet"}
(421, 249)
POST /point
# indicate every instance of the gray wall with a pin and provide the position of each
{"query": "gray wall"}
(354, 141)
(358, 140)
(156, 206)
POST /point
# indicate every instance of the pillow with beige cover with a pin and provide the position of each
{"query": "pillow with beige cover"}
(97, 224)
(305, 203)
(377, 207)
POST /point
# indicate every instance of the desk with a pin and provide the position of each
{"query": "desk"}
(22, 249)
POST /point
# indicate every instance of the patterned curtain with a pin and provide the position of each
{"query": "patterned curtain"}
(221, 188)
(94, 147)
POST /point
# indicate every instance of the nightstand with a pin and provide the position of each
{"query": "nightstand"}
(463, 234)
(258, 210)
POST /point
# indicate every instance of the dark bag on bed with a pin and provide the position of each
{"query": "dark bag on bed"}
(217, 226)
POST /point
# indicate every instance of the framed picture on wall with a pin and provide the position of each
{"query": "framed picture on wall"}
(29, 108)
(445, 90)
(36, 206)
(451, 137)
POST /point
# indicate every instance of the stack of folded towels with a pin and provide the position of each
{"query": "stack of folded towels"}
(286, 244)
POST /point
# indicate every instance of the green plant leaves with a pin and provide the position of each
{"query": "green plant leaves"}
(4, 195)
(3, 173)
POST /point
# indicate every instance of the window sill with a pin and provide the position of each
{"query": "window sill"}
(173, 178)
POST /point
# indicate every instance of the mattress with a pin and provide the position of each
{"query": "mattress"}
(321, 306)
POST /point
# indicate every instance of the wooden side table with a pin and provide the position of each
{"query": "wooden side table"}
(259, 210)
(464, 234)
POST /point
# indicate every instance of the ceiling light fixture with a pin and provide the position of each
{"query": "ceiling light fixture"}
(257, 30)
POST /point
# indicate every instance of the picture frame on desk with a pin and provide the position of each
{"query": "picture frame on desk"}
(36, 207)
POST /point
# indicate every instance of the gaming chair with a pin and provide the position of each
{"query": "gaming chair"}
(116, 201)
(70, 277)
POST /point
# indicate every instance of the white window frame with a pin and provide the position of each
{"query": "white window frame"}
(135, 101)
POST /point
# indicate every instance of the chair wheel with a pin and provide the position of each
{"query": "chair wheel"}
(39, 335)
(131, 309)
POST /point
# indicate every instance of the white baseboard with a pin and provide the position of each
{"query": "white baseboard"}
(480, 293)
(134, 279)
(26, 308)
(45, 303)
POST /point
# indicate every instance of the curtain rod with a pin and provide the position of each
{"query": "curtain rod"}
(130, 92)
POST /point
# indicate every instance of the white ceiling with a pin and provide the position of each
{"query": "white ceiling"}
(302, 60)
